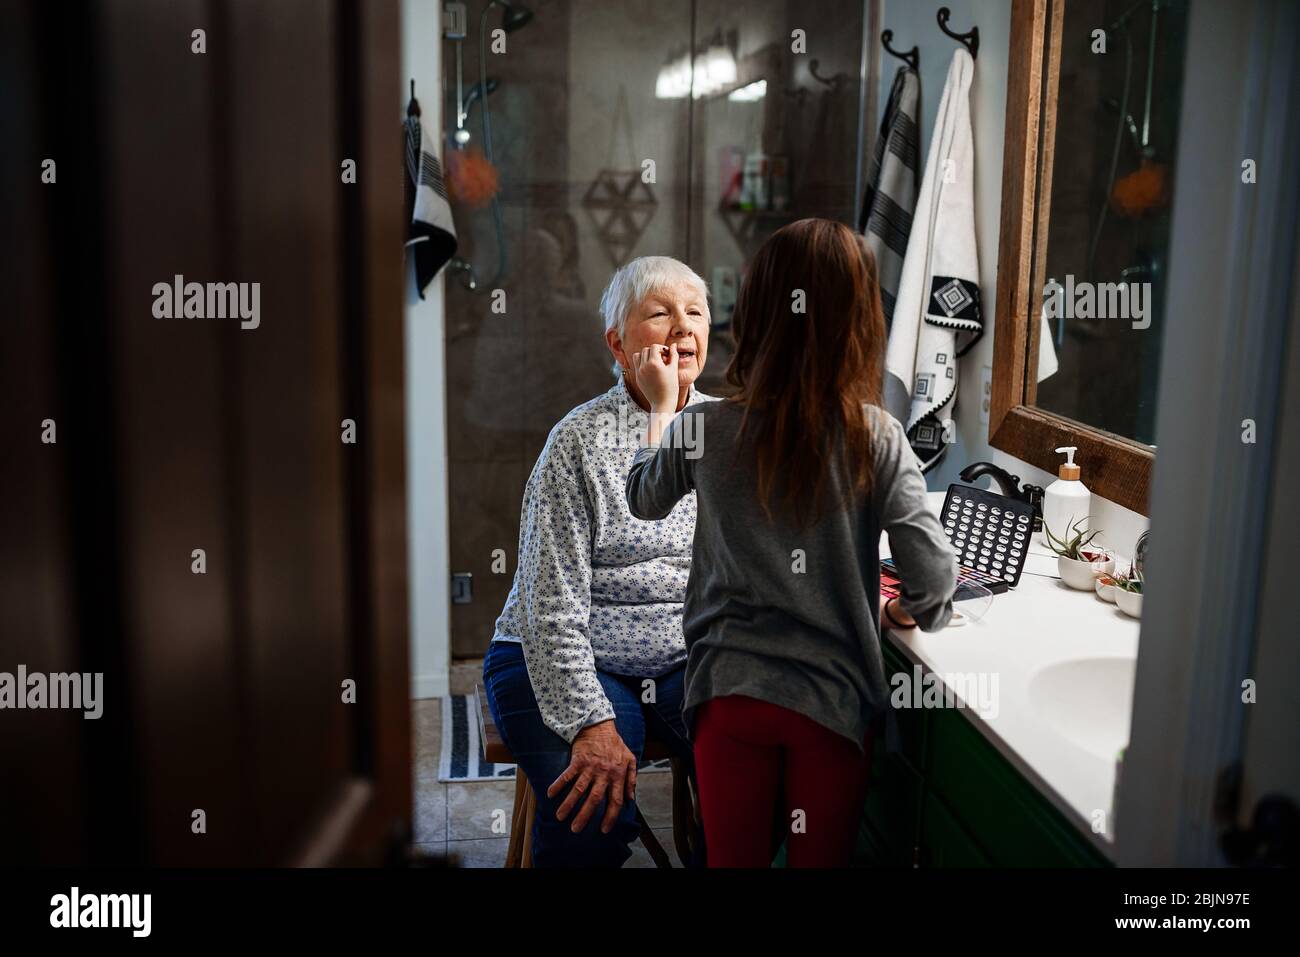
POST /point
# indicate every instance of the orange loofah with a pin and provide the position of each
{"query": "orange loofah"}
(471, 179)
(1142, 190)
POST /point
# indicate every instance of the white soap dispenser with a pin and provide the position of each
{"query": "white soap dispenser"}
(1066, 501)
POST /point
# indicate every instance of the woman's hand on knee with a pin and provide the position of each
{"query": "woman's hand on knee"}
(601, 768)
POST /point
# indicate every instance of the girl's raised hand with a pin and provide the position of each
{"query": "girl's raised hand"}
(655, 369)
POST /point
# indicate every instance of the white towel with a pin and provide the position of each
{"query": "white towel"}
(1047, 363)
(938, 316)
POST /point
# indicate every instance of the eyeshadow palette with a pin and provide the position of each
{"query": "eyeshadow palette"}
(989, 532)
(891, 586)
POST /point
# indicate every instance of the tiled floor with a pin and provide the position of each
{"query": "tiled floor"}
(471, 820)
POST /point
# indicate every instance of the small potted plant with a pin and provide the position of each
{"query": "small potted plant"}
(1077, 559)
(1128, 593)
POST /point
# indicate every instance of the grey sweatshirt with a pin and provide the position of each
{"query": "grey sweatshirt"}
(785, 615)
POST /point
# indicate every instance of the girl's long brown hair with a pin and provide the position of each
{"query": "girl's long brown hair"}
(804, 376)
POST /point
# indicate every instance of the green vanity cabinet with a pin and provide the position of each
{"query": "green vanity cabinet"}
(945, 842)
(891, 826)
(949, 799)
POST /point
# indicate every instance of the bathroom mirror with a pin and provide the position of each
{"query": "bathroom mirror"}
(1111, 192)
(1093, 101)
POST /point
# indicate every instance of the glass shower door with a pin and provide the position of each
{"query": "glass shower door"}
(584, 97)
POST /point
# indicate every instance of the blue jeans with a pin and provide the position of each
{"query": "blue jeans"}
(543, 755)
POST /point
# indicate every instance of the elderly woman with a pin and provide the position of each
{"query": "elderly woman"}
(588, 655)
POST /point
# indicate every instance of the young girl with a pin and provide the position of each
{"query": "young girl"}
(795, 476)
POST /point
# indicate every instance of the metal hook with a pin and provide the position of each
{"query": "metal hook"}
(831, 81)
(971, 40)
(912, 57)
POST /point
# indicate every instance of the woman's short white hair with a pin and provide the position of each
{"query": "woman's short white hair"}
(632, 282)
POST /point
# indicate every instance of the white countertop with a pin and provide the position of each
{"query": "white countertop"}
(1063, 661)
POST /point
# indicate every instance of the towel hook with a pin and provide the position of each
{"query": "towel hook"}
(912, 57)
(832, 81)
(971, 40)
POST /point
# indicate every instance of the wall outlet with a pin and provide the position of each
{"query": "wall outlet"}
(986, 393)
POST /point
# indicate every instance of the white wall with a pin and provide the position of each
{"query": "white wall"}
(914, 23)
(426, 419)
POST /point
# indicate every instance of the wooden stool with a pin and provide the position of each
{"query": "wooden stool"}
(686, 816)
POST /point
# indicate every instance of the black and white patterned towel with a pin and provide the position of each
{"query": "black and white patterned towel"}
(887, 206)
(938, 316)
(431, 233)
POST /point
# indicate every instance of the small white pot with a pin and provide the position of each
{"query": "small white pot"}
(1105, 592)
(1082, 575)
(1130, 602)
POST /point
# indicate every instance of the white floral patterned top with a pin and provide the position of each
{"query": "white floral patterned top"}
(595, 587)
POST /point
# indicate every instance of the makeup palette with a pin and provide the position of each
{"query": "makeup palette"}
(970, 583)
(989, 532)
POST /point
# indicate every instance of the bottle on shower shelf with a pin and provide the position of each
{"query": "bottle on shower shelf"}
(755, 192)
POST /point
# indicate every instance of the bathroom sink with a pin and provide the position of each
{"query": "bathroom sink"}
(1088, 701)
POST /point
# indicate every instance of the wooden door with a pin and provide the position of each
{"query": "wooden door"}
(225, 673)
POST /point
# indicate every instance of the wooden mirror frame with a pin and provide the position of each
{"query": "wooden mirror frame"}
(1114, 467)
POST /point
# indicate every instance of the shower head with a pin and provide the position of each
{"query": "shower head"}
(516, 16)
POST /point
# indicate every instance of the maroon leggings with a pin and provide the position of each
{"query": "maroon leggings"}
(746, 752)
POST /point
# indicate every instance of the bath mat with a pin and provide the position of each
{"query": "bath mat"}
(462, 757)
